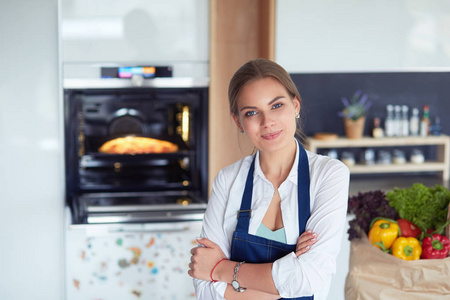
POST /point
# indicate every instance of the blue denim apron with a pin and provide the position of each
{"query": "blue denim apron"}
(255, 249)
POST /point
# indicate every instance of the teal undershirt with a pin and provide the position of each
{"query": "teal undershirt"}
(277, 235)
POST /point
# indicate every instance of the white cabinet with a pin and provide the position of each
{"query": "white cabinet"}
(441, 164)
(131, 261)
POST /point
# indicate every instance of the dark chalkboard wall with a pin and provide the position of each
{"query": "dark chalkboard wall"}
(321, 96)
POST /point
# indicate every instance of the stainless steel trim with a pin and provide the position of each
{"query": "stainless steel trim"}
(114, 228)
(112, 83)
(147, 217)
(138, 208)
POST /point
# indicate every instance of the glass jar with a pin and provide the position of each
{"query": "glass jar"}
(417, 157)
(348, 159)
(332, 153)
(398, 157)
(384, 157)
(369, 157)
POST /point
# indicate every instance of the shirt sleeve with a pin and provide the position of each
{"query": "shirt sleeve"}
(213, 229)
(305, 275)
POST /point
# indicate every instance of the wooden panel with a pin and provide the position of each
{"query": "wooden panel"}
(239, 31)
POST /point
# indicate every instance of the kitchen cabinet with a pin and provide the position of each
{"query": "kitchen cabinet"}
(441, 164)
(132, 261)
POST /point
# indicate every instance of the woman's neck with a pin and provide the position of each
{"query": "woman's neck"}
(277, 165)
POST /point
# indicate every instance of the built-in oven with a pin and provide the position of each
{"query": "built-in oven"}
(155, 169)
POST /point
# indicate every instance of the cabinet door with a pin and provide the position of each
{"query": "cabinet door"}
(144, 261)
(134, 31)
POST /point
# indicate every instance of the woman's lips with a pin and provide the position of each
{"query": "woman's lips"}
(272, 135)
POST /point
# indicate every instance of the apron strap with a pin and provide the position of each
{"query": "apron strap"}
(244, 213)
(303, 190)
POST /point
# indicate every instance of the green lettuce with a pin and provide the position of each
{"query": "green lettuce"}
(427, 207)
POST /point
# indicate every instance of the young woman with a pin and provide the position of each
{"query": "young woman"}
(274, 221)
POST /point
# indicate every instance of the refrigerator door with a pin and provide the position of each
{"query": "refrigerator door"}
(132, 261)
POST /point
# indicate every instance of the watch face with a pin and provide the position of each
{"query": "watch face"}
(235, 284)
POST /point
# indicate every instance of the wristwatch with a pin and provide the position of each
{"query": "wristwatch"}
(234, 283)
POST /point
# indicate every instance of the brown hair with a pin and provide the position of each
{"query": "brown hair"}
(258, 69)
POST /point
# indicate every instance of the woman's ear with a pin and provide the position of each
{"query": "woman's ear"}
(236, 120)
(296, 105)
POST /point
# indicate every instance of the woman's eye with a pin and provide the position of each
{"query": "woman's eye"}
(250, 113)
(278, 105)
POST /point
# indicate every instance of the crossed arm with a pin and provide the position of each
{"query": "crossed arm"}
(257, 278)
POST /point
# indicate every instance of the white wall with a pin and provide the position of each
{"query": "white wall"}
(31, 169)
(362, 35)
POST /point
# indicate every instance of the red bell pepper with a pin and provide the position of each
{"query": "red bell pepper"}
(408, 228)
(435, 246)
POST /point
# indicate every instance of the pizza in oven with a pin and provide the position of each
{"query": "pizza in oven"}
(137, 145)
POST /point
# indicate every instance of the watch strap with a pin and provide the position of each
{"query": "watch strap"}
(235, 283)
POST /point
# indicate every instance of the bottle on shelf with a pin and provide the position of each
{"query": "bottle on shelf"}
(389, 122)
(405, 121)
(414, 122)
(377, 131)
(425, 122)
(436, 128)
(398, 120)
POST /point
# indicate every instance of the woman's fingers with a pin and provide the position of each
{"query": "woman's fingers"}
(204, 257)
(305, 242)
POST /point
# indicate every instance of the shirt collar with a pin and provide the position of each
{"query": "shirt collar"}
(292, 174)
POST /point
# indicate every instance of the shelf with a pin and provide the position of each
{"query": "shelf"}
(441, 142)
(372, 142)
(407, 167)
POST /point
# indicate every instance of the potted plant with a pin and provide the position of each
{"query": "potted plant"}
(354, 114)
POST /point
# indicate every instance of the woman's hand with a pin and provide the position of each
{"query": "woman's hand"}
(305, 241)
(204, 258)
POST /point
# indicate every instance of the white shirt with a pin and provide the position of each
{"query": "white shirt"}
(293, 277)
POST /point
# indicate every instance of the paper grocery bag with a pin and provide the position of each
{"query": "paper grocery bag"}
(377, 275)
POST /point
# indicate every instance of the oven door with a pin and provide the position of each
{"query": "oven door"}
(142, 187)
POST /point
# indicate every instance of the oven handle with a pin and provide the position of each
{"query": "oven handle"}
(151, 217)
(156, 230)
(111, 229)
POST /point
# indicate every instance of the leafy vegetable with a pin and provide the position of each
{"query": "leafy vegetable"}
(427, 207)
(366, 207)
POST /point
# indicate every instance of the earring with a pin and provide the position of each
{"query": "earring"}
(297, 116)
(242, 131)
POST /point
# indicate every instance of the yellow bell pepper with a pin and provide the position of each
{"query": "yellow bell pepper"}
(383, 233)
(407, 248)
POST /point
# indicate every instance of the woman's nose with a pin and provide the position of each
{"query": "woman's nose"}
(267, 121)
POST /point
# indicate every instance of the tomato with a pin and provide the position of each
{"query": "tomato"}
(408, 229)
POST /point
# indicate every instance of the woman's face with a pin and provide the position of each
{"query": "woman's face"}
(266, 113)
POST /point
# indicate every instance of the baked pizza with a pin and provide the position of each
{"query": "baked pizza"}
(137, 145)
